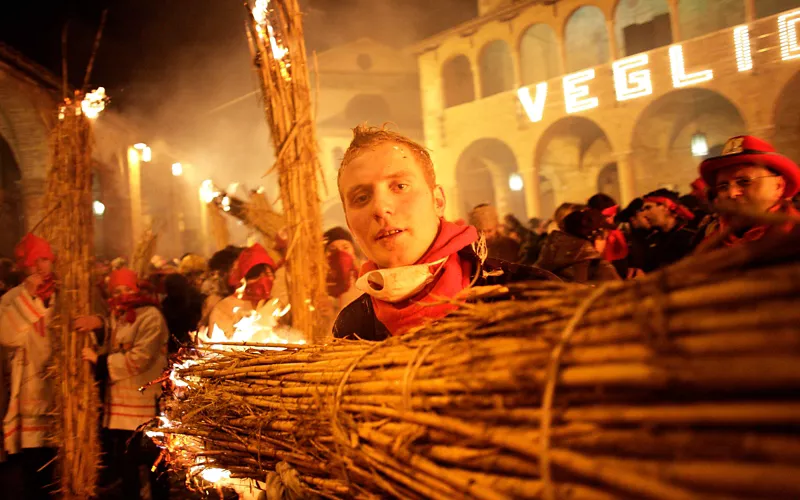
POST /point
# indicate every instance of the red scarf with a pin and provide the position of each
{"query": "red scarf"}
(341, 273)
(758, 232)
(46, 288)
(258, 290)
(453, 278)
(124, 306)
(616, 246)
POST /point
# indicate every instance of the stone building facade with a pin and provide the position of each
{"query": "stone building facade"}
(573, 97)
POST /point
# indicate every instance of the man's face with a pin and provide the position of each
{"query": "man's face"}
(749, 186)
(639, 221)
(42, 267)
(342, 246)
(121, 290)
(390, 209)
(657, 215)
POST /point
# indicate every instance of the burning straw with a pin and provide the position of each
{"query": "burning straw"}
(275, 32)
(69, 230)
(683, 384)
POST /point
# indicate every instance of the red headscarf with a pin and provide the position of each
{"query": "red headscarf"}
(341, 272)
(31, 249)
(675, 208)
(454, 277)
(259, 289)
(124, 306)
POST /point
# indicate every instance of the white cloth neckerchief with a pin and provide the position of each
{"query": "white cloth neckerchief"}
(399, 283)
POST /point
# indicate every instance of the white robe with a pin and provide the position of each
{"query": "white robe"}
(26, 343)
(137, 355)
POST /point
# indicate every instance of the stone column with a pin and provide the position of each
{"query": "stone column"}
(674, 21)
(612, 41)
(749, 10)
(476, 77)
(627, 178)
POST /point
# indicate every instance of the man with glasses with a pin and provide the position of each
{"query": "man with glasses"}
(752, 177)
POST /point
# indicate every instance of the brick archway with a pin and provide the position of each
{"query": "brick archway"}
(662, 134)
(570, 154)
(482, 176)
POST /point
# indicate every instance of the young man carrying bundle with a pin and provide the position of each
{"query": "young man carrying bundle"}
(25, 313)
(751, 176)
(416, 258)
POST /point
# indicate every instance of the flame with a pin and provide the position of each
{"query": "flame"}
(207, 191)
(259, 326)
(177, 380)
(94, 103)
(215, 475)
(265, 30)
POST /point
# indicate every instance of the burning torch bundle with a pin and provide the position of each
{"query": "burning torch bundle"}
(681, 385)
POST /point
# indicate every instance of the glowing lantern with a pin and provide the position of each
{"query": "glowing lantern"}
(699, 144)
(515, 182)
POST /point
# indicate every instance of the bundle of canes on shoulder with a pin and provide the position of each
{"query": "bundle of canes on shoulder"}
(683, 384)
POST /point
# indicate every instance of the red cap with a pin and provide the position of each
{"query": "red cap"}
(251, 257)
(123, 277)
(31, 249)
(746, 149)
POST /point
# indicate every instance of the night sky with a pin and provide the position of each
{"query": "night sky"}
(170, 63)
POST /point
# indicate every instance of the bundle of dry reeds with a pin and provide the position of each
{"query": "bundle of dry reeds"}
(69, 230)
(145, 250)
(684, 384)
(275, 32)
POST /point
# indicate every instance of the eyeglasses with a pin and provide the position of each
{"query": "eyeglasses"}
(740, 182)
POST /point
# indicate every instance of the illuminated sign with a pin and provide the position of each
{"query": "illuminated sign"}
(576, 97)
(633, 77)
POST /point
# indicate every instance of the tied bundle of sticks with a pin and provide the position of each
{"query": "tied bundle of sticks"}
(69, 230)
(275, 33)
(681, 385)
(145, 250)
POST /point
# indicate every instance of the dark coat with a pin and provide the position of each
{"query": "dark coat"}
(667, 248)
(358, 319)
(574, 259)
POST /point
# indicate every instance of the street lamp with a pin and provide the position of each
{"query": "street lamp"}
(177, 169)
(515, 182)
(699, 144)
(98, 208)
(147, 154)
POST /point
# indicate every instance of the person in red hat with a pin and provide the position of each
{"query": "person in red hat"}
(752, 176)
(673, 237)
(257, 269)
(134, 355)
(25, 313)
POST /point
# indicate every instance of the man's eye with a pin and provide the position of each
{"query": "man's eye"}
(402, 186)
(359, 199)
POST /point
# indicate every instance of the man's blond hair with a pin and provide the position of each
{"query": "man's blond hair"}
(365, 137)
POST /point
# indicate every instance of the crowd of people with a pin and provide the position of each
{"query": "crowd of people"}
(400, 265)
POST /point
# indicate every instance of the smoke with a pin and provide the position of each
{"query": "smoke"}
(188, 79)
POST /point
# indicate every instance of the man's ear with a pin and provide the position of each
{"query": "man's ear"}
(780, 187)
(439, 200)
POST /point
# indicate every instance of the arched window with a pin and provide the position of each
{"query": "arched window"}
(11, 210)
(547, 198)
(700, 18)
(641, 25)
(497, 71)
(369, 108)
(586, 39)
(538, 54)
(457, 83)
(608, 181)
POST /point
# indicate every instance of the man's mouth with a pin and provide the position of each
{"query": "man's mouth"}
(388, 233)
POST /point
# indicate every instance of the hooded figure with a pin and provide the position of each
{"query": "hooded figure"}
(575, 254)
(25, 313)
(257, 269)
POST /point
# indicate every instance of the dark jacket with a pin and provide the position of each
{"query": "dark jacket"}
(667, 248)
(574, 259)
(358, 319)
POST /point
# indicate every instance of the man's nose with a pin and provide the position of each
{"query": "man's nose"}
(383, 204)
(735, 191)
